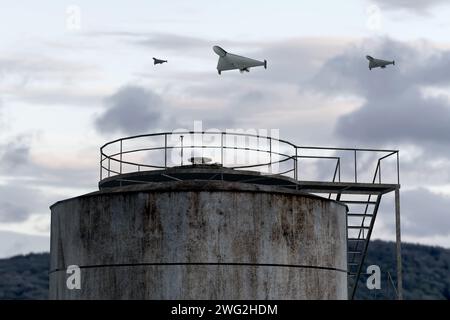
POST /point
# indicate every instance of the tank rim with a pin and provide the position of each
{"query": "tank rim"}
(200, 186)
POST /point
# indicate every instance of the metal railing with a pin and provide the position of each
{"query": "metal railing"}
(261, 153)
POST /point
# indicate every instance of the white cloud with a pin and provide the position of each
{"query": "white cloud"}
(12, 243)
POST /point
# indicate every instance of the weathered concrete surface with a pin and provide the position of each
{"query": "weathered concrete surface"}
(180, 226)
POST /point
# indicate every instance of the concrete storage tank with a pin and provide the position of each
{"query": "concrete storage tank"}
(198, 231)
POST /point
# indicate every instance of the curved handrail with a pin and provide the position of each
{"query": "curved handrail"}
(276, 156)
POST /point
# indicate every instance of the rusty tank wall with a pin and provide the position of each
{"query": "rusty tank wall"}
(199, 240)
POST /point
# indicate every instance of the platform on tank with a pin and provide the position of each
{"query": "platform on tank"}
(216, 172)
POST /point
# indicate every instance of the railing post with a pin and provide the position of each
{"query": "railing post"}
(181, 137)
(398, 168)
(109, 166)
(356, 172)
(339, 172)
(379, 171)
(165, 150)
(221, 148)
(398, 243)
(101, 164)
(120, 156)
(336, 169)
(296, 165)
(270, 154)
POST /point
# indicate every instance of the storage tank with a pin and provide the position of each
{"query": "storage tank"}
(199, 232)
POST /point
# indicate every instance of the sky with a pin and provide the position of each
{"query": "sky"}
(74, 75)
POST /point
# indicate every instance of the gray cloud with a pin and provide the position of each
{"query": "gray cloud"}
(417, 6)
(396, 113)
(298, 59)
(19, 198)
(261, 98)
(23, 196)
(36, 68)
(59, 96)
(173, 42)
(22, 77)
(395, 108)
(131, 110)
(426, 169)
(289, 61)
(23, 181)
(14, 154)
(407, 117)
(252, 105)
(138, 110)
(18, 202)
(76, 178)
(253, 96)
(1, 115)
(169, 41)
(424, 214)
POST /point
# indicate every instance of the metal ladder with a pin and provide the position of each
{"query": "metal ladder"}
(358, 235)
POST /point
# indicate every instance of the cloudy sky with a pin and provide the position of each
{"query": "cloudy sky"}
(76, 74)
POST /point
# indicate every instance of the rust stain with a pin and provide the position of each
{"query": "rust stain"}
(205, 226)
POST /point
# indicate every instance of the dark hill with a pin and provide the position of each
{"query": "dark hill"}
(426, 273)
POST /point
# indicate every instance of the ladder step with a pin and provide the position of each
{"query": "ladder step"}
(353, 264)
(358, 227)
(355, 239)
(359, 202)
(359, 215)
(354, 252)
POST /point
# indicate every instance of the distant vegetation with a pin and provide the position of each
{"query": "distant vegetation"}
(24, 277)
(426, 273)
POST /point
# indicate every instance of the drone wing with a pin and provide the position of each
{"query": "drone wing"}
(384, 62)
(225, 64)
(158, 61)
(243, 62)
(229, 61)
